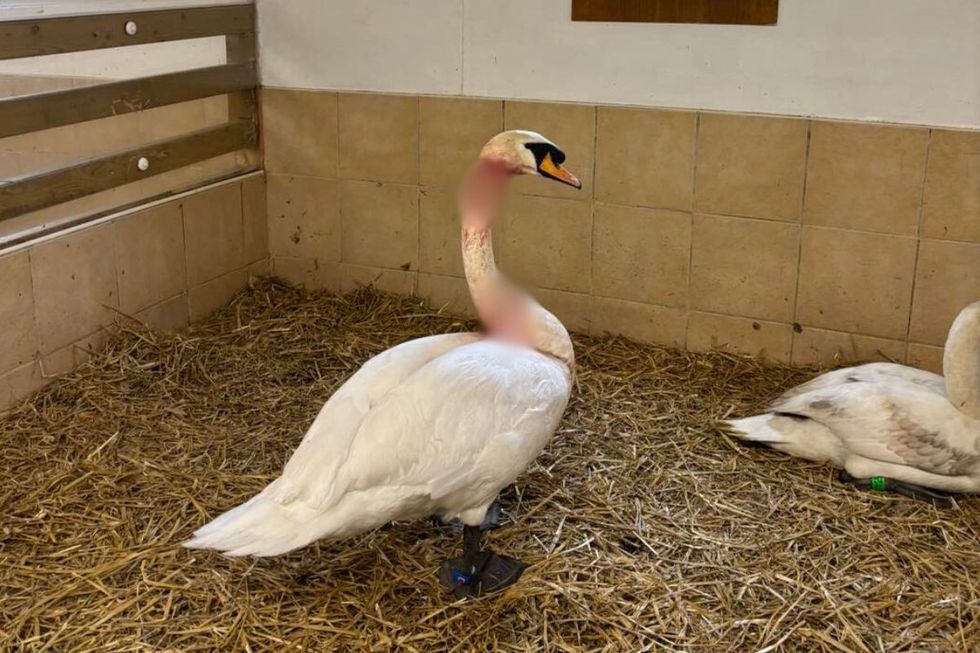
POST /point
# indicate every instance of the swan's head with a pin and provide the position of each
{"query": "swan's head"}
(528, 153)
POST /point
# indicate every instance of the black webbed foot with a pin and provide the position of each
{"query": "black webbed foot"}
(478, 572)
(485, 574)
(910, 490)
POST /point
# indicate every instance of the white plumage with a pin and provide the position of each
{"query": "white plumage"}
(437, 425)
(888, 420)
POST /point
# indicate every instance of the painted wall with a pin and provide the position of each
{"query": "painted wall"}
(894, 60)
(115, 62)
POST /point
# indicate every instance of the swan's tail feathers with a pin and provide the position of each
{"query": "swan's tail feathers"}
(792, 434)
(752, 429)
(258, 527)
(263, 526)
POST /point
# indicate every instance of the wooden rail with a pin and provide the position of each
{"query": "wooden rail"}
(33, 192)
(54, 35)
(40, 36)
(21, 115)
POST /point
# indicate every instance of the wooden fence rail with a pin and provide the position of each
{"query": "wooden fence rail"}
(60, 34)
(30, 113)
(33, 192)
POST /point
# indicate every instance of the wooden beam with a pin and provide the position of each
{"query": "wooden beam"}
(243, 106)
(719, 12)
(21, 115)
(57, 34)
(33, 192)
(240, 48)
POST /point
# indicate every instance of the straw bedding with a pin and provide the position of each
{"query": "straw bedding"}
(646, 529)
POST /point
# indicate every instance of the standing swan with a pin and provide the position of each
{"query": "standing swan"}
(437, 425)
(888, 426)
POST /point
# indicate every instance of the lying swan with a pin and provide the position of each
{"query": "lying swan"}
(437, 425)
(888, 425)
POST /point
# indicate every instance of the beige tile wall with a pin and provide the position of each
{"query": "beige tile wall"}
(166, 266)
(801, 240)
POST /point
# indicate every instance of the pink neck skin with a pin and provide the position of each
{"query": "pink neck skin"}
(502, 307)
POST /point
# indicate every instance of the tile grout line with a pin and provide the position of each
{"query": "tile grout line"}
(690, 249)
(340, 204)
(631, 106)
(418, 195)
(241, 217)
(115, 264)
(592, 206)
(918, 247)
(36, 354)
(187, 267)
(799, 246)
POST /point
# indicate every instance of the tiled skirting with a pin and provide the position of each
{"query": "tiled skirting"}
(166, 265)
(802, 240)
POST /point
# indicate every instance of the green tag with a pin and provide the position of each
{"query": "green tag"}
(878, 483)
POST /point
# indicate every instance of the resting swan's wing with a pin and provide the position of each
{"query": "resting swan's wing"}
(894, 421)
(870, 373)
(308, 473)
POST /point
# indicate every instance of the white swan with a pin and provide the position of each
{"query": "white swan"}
(900, 426)
(437, 425)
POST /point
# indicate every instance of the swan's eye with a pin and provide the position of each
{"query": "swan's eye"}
(540, 150)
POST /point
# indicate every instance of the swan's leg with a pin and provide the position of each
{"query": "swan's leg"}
(910, 490)
(477, 571)
(491, 520)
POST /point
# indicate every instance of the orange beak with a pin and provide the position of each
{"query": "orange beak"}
(552, 170)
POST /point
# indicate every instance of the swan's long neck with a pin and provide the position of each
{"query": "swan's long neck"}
(961, 361)
(504, 309)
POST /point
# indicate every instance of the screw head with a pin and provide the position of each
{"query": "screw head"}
(131, 28)
(143, 164)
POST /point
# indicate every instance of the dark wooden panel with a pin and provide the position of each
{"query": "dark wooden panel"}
(33, 192)
(728, 12)
(25, 38)
(20, 115)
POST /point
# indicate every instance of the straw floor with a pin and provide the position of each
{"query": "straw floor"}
(646, 530)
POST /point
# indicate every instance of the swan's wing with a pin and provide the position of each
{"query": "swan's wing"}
(327, 442)
(870, 373)
(892, 420)
(472, 420)
(445, 439)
